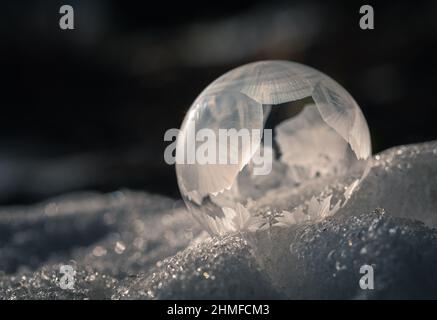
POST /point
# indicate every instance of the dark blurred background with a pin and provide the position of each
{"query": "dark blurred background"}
(88, 108)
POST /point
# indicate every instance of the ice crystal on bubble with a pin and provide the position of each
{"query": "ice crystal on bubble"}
(320, 133)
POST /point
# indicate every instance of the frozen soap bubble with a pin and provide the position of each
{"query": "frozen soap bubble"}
(230, 170)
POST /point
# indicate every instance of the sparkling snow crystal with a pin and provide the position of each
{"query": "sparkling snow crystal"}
(129, 245)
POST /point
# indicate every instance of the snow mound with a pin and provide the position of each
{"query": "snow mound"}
(323, 260)
(218, 268)
(132, 245)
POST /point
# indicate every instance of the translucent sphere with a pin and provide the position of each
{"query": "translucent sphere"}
(261, 139)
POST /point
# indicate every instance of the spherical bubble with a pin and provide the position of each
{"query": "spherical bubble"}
(265, 137)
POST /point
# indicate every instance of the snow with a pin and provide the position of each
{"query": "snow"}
(134, 245)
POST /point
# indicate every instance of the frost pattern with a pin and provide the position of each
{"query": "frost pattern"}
(325, 140)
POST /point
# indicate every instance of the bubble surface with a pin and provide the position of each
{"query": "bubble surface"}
(271, 126)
